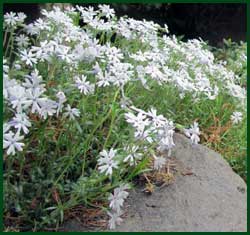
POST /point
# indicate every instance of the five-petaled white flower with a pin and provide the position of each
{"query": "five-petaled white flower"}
(72, 113)
(107, 162)
(115, 219)
(28, 57)
(159, 162)
(107, 11)
(117, 198)
(133, 155)
(22, 40)
(10, 19)
(193, 133)
(84, 86)
(236, 117)
(12, 142)
(21, 122)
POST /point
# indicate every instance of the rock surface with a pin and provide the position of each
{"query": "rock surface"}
(211, 197)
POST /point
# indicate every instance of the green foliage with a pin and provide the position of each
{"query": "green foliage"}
(58, 167)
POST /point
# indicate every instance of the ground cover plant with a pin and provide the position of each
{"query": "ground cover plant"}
(92, 101)
(234, 150)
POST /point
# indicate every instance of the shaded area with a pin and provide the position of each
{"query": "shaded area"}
(211, 22)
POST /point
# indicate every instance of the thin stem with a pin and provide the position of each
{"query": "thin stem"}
(5, 38)
(8, 45)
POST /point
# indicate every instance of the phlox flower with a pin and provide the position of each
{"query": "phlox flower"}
(236, 117)
(107, 11)
(18, 97)
(72, 113)
(48, 108)
(159, 162)
(133, 155)
(84, 86)
(106, 163)
(117, 198)
(21, 122)
(34, 99)
(22, 40)
(11, 142)
(139, 122)
(61, 100)
(28, 57)
(33, 81)
(193, 133)
(115, 219)
(10, 19)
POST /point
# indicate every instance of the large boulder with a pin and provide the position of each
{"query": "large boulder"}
(206, 195)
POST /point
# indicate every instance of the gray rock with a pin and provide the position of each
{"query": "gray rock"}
(211, 197)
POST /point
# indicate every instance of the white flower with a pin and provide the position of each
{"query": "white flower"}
(96, 68)
(21, 122)
(17, 97)
(48, 107)
(31, 29)
(41, 24)
(121, 73)
(7, 84)
(193, 133)
(88, 54)
(34, 99)
(71, 112)
(154, 71)
(107, 11)
(64, 54)
(236, 117)
(158, 120)
(166, 141)
(34, 81)
(116, 199)
(87, 13)
(12, 142)
(21, 17)
(133, 155)
(22, 40)
(28, 57)
(5, 66)
(10, 19)
(103, 79)
(107, 162)
(114, 54)
(114, 220)
(61, 100)
(139, 56)
(159, 162)
(84, 86)
(141, 76)
(139, 122)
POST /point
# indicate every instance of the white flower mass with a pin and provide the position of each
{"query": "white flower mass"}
(60, 64)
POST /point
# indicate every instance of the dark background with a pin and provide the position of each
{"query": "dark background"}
(211, 22)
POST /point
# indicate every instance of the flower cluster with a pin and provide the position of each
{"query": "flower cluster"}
(152, 128)
(76, 88)
(116, 201)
